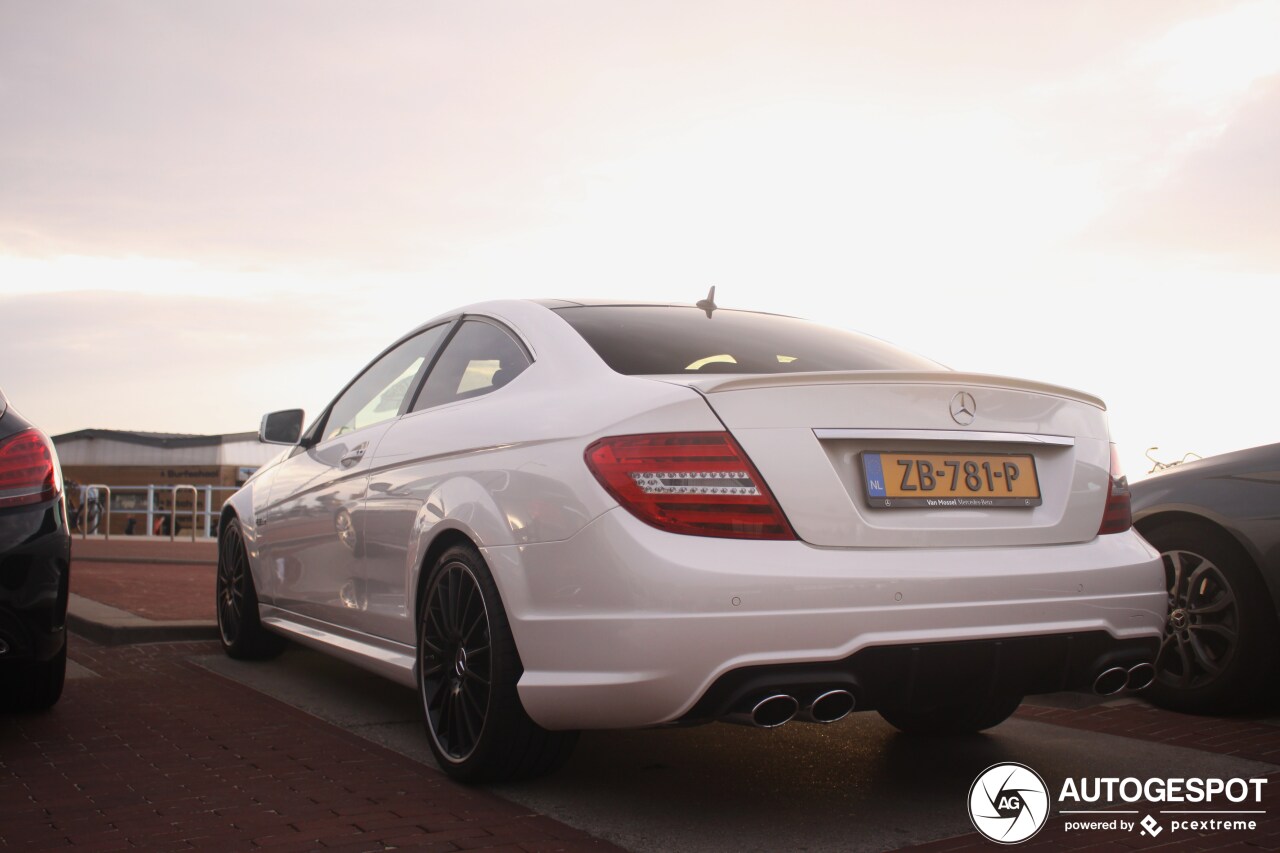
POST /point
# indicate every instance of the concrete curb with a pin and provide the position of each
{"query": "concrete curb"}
(110, 626)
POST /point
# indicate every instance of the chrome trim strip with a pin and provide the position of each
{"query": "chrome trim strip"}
(946, 435)
(384, 657)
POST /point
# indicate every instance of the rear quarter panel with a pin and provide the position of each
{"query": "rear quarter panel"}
(1238, 492)
(505, 469)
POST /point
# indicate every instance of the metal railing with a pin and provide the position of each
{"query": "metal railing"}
(162, 508)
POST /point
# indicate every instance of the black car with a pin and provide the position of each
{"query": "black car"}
(35, 563)
(1217, 523)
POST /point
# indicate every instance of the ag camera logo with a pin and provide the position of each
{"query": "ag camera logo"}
(1008, 803)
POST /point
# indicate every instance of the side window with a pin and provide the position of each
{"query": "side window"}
(480, 358)
(377, 395)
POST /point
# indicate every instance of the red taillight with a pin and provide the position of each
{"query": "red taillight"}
(700, 483)
(1117, 516)
(28, 474)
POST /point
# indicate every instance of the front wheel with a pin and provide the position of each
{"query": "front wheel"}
(468, 667)
(959, 719)
(239, 628)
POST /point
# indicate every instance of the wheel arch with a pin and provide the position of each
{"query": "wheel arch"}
(460, 510)
(1208, 525)
(239, 508)
(443, 541)
(1222, 532)
(228, 513)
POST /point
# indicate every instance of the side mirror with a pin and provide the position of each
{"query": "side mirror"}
(282, 427)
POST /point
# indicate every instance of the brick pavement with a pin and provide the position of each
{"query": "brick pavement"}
(1241, 736)
(160, 754)
(144, 549)
(161, 591)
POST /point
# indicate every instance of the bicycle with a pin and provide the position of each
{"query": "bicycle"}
(1157, 465)
(88, 515)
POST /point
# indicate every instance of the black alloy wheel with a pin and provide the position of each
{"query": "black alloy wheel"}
(1220, 632)
(239, 628)
(1202, 632)
(457, 671)
(468, 669)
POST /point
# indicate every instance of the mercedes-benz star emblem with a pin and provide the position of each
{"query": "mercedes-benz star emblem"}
(963, 408)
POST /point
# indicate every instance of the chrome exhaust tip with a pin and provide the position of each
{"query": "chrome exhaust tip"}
(773, 711)
(829, 707)
(1111, 681)
(1140, 676)
(4, 646)
(768, 713)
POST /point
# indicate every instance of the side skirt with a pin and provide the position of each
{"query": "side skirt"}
(383, 657)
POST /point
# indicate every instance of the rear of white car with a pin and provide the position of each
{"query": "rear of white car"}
(558, 516)
(828, 532)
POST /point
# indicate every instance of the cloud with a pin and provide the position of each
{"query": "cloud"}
(1222, 200)
(172, 363)
(312, 132)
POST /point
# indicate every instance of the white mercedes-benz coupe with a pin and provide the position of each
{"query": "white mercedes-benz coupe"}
(548, 516)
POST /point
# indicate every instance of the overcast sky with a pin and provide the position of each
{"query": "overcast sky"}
(210, 210)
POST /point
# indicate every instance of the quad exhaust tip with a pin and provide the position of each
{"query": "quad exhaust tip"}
(774, 711)
(1140, 677)
(769, 712)
(1117, 679)
(829, 707)
(777, 709)
(1111, 681)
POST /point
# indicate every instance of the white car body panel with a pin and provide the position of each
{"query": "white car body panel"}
(513, 484)
(778, 424)
(620, 624)
(609, 639)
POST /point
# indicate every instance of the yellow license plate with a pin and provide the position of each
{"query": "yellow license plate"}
(950, 480)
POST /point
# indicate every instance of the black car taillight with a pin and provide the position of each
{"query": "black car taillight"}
(28, 474)
(699, 483)
(1117, 516)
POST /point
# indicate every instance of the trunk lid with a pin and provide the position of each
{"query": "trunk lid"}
(817, 439)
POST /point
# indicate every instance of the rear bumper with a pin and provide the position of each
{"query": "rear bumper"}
(35, 561)
(931, 675)
(624, 625)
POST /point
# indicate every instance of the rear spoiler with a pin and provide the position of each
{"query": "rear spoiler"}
(749, 381)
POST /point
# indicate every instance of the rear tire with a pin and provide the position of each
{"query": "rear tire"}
(1220, 638)
(960, 719)
(468, 667)
(236, 602)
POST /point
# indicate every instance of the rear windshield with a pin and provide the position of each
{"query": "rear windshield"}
(645, 339)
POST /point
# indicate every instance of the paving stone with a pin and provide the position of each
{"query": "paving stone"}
(157, 752)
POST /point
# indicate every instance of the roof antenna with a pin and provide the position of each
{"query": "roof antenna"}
(708, 304)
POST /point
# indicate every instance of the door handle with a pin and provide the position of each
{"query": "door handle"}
(354, 455)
